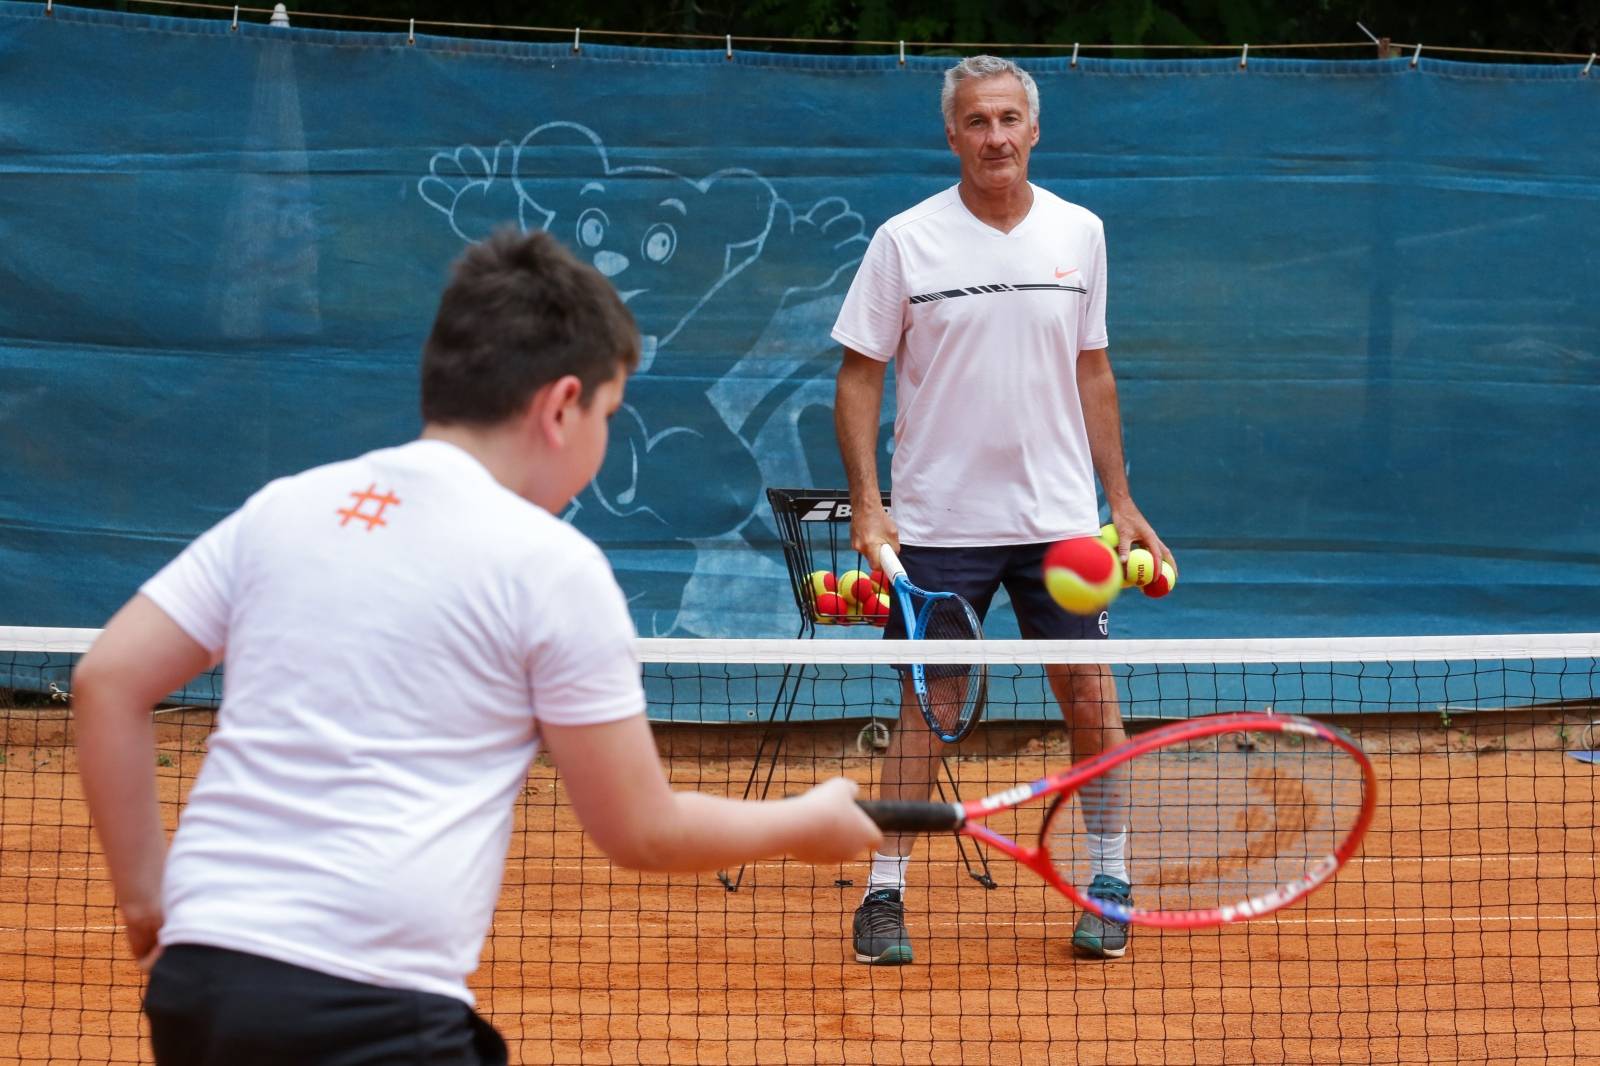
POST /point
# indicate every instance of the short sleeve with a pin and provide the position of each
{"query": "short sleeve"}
(1092, 327)
(873, 316)
(583, 668)
(196, 589)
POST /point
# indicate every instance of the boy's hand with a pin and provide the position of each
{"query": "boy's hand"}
(833, 829)
(143, 929)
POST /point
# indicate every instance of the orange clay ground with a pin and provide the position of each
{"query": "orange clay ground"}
(1464, 932)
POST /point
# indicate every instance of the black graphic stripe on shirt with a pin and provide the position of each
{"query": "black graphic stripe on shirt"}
(985, 290)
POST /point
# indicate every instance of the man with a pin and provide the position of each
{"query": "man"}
(990, 299)
(402, 631)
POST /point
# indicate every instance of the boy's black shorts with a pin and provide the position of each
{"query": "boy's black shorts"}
(213, 1007)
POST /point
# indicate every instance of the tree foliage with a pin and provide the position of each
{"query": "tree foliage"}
(1530, 25)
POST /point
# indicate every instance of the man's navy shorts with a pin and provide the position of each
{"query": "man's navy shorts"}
(978, 573)
(213, 1007)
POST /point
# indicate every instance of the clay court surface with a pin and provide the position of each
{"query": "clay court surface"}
(1464, 932)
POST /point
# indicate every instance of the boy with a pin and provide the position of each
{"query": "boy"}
(403, 631)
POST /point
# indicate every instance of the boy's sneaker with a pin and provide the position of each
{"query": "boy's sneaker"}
(1102, 938)
(880, 929)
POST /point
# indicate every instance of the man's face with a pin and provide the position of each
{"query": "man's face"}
(993, 132)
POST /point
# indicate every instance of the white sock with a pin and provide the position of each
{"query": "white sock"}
(888, 871)
(1106, 855)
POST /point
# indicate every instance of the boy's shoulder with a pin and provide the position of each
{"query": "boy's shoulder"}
(426, 485)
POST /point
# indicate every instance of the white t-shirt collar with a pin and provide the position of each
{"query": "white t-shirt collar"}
(984, 227)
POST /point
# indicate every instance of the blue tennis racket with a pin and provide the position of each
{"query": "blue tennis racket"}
(950, 694)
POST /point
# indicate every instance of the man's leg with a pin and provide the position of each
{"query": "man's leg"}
(908, 767)
(1088, 697)
(1087, 694)
(905, 772)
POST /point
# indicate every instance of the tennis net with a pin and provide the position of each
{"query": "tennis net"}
(1464, 931)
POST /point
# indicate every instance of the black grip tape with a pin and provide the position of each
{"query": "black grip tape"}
(906, 816)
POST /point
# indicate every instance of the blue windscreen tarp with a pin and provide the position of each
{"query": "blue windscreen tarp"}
(1352, 305)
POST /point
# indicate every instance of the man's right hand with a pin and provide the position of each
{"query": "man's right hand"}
(871, 527)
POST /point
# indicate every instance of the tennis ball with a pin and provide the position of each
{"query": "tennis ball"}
(1163, 583)
(830, 605)
(855, 586)
(880, 580)
(1139, 570)
(1082, 574)
(879, 609)
(823, 581)
(1108, 534)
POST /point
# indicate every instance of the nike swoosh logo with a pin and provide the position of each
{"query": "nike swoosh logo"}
(1063, 273)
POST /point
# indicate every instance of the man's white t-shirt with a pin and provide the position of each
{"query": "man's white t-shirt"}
(985, 329)
(395, 627)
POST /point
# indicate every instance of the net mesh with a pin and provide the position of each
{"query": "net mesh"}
(1464, 931)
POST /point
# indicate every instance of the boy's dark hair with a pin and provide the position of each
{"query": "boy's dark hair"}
(520, 311)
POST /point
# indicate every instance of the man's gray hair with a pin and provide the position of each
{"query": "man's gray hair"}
(985, 67)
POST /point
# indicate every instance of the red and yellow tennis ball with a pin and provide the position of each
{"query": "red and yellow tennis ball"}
(856, 587)
(880, 616)
(1163, 583)
(1108, 534)
(1083, 574)
(881, 580)
(1139, 569)
(823, 581)
(875, 608)
(830, 605)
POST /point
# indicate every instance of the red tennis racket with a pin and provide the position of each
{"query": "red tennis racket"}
(1227, 817)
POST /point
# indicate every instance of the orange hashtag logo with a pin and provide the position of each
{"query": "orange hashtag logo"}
(366, 496)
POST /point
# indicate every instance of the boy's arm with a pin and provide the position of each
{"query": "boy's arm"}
(614, 779)
(140, 658)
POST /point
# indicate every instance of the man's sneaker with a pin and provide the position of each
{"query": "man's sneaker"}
(1102, 938)
(880, 929)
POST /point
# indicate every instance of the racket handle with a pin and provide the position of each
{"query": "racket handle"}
(907, 816)
(890, 562)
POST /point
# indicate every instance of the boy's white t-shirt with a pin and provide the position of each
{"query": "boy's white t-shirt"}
(985, 329)
(395, 627)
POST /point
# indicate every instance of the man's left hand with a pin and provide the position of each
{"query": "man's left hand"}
(1132, 529)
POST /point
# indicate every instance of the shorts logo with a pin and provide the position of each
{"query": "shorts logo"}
(1105, 623)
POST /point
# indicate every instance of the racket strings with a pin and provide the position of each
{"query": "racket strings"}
(1218, 822)
(954, 689)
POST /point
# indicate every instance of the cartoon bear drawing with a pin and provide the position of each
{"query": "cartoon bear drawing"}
(691, 257)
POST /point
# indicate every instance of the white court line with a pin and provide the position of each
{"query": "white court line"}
(1546, 920)
(1068, 919)
(1566, 857)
